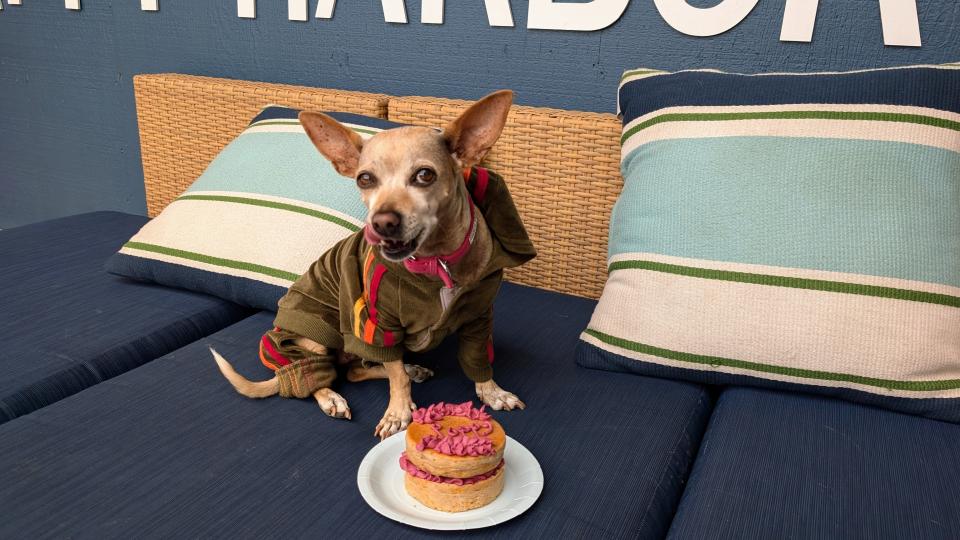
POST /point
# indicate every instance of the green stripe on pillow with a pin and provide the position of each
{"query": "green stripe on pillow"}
(273, 204)
(793, 282)
(215, 261)
(715, 361)
(794, 115)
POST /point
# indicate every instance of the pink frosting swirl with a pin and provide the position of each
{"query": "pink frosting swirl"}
(413, 470)
(468, 440)
(438, 411)
(457, 445)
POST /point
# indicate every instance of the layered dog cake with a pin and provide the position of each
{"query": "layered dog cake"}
(454, 457)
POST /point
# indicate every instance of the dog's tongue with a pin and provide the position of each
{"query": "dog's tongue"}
(371, 237)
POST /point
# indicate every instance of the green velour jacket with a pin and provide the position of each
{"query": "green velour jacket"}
(354, 300)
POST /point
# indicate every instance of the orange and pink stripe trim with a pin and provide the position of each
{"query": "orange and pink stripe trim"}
(366, 330)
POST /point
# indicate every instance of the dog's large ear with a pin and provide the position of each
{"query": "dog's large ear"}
(472, 135)
(339, 144)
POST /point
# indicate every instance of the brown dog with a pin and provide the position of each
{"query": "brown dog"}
(428, 262)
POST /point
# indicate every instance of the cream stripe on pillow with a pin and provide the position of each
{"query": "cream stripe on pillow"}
(261, 233)
(826, 336)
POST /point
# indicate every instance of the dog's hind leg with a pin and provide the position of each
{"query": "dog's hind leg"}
(332, 403)
(358, 372)
(418, 374)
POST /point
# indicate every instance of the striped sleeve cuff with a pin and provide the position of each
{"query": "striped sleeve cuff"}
(373, 353)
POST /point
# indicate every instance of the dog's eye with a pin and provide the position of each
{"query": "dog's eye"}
(424, 177)
(366, 181)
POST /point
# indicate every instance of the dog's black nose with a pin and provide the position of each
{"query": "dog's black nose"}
(386, 224)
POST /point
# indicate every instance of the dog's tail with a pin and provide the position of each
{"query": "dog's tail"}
(246, 387)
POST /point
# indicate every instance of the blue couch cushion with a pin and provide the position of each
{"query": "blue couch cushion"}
(67, 324)
(169, 449)
(775, 465)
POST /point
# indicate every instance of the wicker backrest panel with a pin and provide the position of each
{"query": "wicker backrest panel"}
(186, 120)
(563, 168)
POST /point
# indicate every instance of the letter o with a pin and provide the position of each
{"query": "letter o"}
(704, 21)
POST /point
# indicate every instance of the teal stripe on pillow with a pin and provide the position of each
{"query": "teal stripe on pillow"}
(244, 166)
(864, 207)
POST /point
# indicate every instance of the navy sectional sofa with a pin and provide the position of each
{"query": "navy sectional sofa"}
(68, 325)
(168, 448)
(117, 424)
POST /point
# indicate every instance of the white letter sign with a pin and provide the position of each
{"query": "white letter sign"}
(431, 12)
(898, 17)
(900, 23)
(498, 12)
(394, 11)
(297, 10)
(325, 9)
(247, 9)
(584, 17)
(798, 19)
(704, 21)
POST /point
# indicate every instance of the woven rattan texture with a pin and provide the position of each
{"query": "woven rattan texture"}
(186, 120)
(563, 168)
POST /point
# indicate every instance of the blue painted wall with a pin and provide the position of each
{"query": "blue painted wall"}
(68, 137)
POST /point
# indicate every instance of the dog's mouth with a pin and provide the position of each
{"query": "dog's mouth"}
(393, 249)
(397, 250)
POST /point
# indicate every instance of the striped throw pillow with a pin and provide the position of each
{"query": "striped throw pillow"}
(266, 207)
(795, 231)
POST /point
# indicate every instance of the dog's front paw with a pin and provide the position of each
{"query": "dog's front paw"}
(417, 374)
(332, 403)
(396, 419)
(498, 398)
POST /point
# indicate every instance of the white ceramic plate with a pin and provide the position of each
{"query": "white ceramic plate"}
(380, 480)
